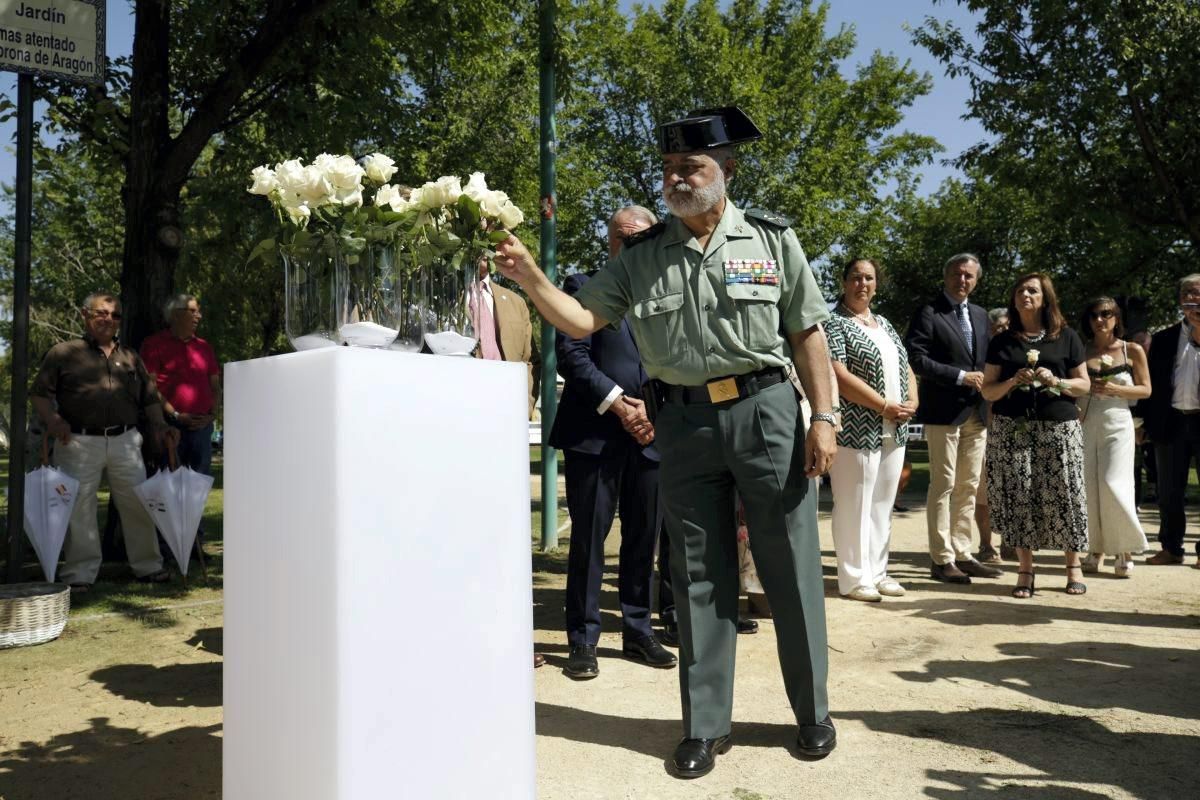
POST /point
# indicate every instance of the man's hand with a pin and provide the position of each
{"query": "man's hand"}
(632, 413)
(194, 422)
(819, 449)
(58, 428)
(974, 380)
(515, 262)
(168, 437)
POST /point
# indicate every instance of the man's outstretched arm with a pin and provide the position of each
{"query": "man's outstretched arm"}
(515, 262)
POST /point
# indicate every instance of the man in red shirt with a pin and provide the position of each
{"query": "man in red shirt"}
(189, 380)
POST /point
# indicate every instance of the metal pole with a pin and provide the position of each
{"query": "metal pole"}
(549, 145)
(20, 339)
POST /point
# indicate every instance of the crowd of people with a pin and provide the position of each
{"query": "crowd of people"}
(707, 384)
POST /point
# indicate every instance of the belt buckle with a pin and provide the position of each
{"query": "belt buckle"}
(722, 390)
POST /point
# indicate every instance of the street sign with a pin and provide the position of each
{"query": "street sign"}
(61, 39)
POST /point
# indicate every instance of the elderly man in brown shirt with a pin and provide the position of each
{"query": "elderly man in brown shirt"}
(101, 390)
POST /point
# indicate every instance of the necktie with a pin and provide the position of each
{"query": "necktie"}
(966, 328)
(485, 325)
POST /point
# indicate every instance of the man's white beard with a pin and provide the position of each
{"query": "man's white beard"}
(684, 201)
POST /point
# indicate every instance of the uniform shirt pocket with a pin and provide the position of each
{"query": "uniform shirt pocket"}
(757, 311)
(657, 321)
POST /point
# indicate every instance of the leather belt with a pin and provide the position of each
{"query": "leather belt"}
(724, 390)
(111, 430)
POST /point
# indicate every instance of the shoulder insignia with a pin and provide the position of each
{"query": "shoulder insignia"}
(769, 217)
(645, 235)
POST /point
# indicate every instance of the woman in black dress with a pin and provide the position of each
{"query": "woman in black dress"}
(1034, 372)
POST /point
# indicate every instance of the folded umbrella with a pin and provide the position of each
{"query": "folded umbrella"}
(49, 499)
(175, 501)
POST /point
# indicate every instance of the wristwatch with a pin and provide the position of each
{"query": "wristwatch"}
(175, 416)
(824, 416)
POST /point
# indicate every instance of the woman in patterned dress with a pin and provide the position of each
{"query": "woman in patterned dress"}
(879, 397)
(1034, 372)
(1120, 375)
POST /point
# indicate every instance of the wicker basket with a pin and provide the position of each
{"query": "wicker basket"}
(32, 613)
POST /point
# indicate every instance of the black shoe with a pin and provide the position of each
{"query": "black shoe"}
(938, 573)
(696, 757)
(817, 741)
(581, 663)
(976, 570)
(649, 651)
(747, 625)
(669, 636)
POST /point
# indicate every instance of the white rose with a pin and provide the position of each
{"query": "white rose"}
(444, 191)
(1031, 357)
(510, 216)
(344, 176)
(1106, 361)
(476, 187)
(378, 167)
(492, 202)
(290, 177)
(312, 187)
(298, 214)
(388, 195)
(264, 181)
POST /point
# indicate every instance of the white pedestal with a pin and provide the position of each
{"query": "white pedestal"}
(378, 600)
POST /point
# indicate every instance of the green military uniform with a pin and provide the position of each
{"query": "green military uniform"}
(697, 315)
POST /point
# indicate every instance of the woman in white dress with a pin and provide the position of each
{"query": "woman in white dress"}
(1120, 376)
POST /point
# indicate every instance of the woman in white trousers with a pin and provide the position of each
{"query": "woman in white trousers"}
(879, 397)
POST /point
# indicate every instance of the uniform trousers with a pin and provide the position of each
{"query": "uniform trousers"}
(955, 464)
(86, 458)
(597, 486)
(1175, 455)
(756, 446)
(864, 489)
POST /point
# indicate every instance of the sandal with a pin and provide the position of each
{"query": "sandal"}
(1075, 587)
(1024, 592)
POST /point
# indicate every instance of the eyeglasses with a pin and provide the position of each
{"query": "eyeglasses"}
(1104, 313)
(105, 314)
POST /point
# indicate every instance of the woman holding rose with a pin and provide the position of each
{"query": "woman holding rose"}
(1120, 376)
(1036, 491)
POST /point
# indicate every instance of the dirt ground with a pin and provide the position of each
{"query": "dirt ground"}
(949, 692)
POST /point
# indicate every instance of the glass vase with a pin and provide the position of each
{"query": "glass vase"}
(309, 280)
(449, 329)
(378, 301)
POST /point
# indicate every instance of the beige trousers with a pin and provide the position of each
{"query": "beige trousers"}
(86, 458)
(955, 464)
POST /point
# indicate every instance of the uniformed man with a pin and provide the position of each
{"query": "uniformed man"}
(719, 299)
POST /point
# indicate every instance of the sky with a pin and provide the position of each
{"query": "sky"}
(878, 24)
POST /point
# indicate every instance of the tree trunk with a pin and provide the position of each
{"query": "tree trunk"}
(148, 263)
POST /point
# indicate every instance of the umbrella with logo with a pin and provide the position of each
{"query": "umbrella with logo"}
(49, 498)
(175, 500)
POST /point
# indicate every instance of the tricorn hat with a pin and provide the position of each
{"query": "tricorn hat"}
(706, 128)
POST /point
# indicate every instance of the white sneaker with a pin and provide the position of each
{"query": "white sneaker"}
(890, 587)
(864, 593)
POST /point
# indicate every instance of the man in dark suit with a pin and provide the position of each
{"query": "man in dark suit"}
(947, 344)
(602, 429)
(1171, 419)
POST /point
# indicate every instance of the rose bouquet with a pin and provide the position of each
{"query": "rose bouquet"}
(385, 254)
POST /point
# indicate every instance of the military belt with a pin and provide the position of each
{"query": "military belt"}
(724, 390)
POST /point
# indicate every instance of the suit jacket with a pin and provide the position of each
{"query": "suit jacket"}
(1155, 410)
(591, 367)
(514, 334)
(937, 351)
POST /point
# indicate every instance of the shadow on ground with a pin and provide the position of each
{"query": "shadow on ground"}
(179, 685)
(969, 609)
(1097, 675)
(1061, 748)
(106, 762)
